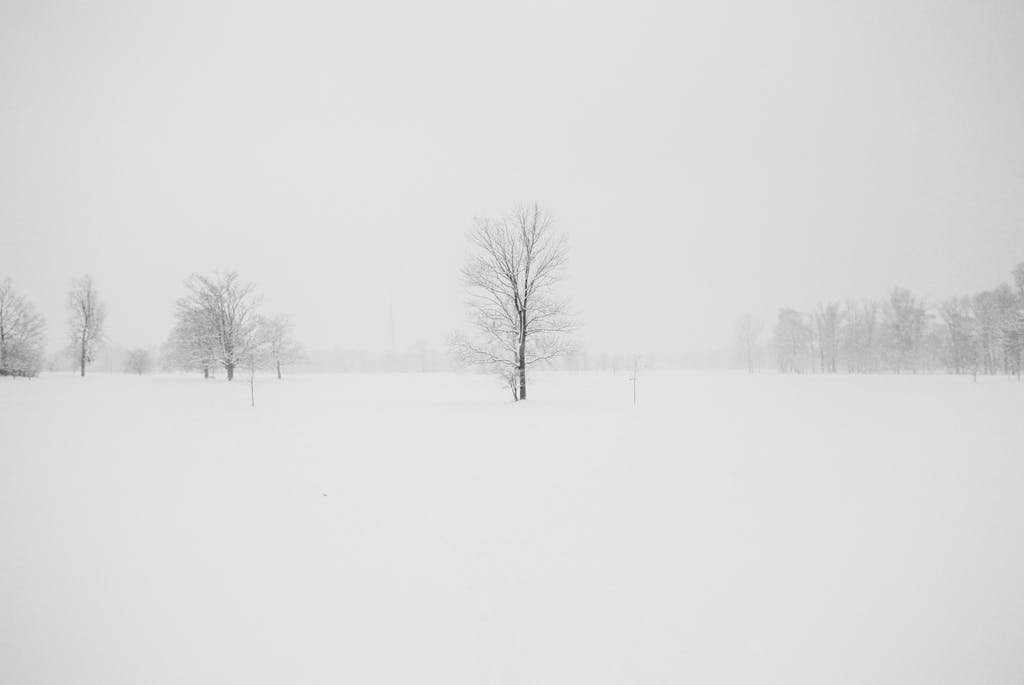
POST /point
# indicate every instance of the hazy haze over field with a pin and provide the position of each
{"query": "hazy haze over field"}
(703, 160)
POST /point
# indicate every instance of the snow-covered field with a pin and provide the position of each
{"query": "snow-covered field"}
(424, 529)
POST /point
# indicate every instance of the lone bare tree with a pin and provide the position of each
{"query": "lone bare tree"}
(22, 331)
(86, 315)
(511, 277)
(281, 348)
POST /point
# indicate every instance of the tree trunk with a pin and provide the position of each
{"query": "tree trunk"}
(206, 372)
(82, 359)
(522, 355)
(231, 371)
(522, 369)
(522, 378)
(279, 370)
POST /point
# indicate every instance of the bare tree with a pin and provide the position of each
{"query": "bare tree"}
(860, 336)
(190, 345)
(826, 322)
(1018, 278)
(791, 339)
(958, 316)
(990, 312)
(511, 277)
(748, 340)
(1017, 319)
(906, 319)
(217, 321)
(86, 316)
(22, 331)
(281, 348)
(138, 360)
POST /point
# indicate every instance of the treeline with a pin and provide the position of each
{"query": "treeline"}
(217, 326)
(971, 334)
(23, 328)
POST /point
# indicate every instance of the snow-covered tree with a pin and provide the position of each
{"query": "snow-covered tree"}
(905, 321)
(138, 360)
(791, 340)
(86, 316)
(1009, 335)
(961, 344)
(1017, 317)
(190, 345)
(748, 340)
(997, 314)
(860, 336)
(512, 278)
(281, 348)
(22, 331)
(826, 328)
(215, 324)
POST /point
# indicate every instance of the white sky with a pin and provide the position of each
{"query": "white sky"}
(704, 160)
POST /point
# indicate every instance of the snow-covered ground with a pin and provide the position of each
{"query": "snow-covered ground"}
(424, 529)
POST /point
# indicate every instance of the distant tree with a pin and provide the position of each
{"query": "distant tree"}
(1017, 320)
(511, 278)
(905, 320)
(420, 352)
(22, 331)
(996, 312)
(961, 344)
(281, 348)
(860, 336)
(748, 340)
(216, 322)
(1007, 311)
(86, 316)
(1018, 279)
(791, 338)
(138, 360)
(932, 354)
(826, 322)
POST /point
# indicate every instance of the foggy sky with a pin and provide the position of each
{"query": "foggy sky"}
(704, 160)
